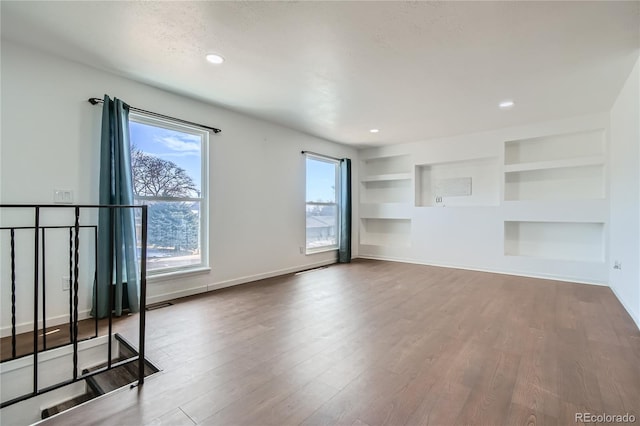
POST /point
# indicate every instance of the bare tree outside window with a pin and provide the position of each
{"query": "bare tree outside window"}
(156, 177)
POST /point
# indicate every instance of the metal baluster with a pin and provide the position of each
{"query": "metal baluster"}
(44, 294)
(75, 291)
(143, 294)
(13, 293)
(35, 299)
(70, 287)
(95, 276)
(111, 286)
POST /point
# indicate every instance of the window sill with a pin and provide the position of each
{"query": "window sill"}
(321, 250)
(168, 275)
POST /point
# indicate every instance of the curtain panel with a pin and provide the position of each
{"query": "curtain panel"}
(344, 245)
(117, 268)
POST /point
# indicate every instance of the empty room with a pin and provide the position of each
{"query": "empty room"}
(319, 213)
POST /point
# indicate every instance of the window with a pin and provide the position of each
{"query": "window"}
(170, 169)
(322, 206)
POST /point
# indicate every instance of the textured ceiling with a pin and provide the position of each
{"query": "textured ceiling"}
(415, 70)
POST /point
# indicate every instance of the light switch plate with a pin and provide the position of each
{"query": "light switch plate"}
(63, 196)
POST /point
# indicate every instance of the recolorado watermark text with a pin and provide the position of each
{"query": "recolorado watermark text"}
(605, 418)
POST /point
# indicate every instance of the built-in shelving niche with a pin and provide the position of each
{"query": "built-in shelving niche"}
(473, 182)
(385, 197)
(386, 180)
(385, 232)
(386, 191)
(373, 168)
(558, 167)
(573, 241)
(564, 183)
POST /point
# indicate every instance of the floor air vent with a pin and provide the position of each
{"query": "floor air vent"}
(159, 306)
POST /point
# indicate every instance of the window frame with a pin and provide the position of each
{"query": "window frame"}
(150, 120)
(336, 163)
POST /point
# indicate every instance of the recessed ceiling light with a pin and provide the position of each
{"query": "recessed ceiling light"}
(506, 104)
(374, 130)
(215, 58)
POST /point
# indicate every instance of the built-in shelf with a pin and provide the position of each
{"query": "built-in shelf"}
(472, 182)
(386, 177)
(570, 241)
(555, 206)
(385, 232)
(555, 164)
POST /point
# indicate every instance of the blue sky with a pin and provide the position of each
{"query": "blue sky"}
(171, 145)
(321, 180)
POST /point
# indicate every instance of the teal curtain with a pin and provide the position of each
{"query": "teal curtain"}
(117, 268)
(344, 245)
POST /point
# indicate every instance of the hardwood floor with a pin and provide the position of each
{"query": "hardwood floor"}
(375, 343)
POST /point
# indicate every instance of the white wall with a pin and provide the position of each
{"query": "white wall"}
(625, 194)
(50, 137)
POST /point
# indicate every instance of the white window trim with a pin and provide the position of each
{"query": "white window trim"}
(204, 193)
(318, 157)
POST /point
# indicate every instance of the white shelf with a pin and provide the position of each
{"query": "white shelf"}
(555, 164)
(387, 177)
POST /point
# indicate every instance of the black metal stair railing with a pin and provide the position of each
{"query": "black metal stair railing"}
(39, 270)
(12, 254)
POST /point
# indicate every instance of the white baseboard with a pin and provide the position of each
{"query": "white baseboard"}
(635, 318)
(157, 298)
(26, 327)
(235, 281)
(493, 271)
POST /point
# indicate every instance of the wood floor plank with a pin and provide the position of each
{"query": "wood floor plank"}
(490, 398)
(175, 417)
(519, 415)
(440, 406)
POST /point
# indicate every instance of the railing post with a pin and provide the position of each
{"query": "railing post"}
(13, 293)
(111, 287)
(143, 294)
(95, 276)
(76, 258)
(70, 286)
(35, 298)
(44, 293)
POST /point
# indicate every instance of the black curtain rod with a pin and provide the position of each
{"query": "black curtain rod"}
(321, 155)
(94, 101)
